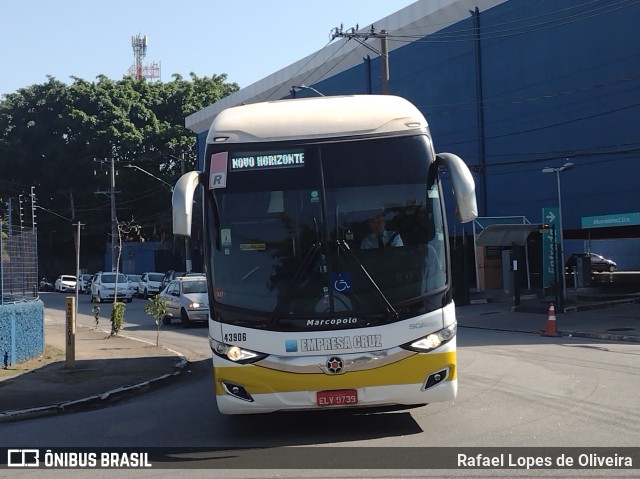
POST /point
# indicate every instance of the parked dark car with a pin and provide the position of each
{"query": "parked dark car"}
(84, 286)
(168, 277)
(598, 262)
(46, 285)
(171, 275)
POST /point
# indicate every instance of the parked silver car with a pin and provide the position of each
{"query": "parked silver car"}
(186, 299)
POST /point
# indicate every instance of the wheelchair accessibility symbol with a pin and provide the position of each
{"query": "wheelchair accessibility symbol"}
(341, 282)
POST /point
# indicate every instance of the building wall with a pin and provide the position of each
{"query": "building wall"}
(562, 89)
(137, 257)
(21, 331)
(559, 83)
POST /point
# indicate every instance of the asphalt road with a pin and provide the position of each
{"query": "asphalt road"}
(515, 390)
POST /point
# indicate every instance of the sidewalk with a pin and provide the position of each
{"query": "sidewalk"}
(105, 369)
(110, 368)
(588, 313)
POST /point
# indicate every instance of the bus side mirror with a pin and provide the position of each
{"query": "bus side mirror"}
(182, 202)
(464, 188)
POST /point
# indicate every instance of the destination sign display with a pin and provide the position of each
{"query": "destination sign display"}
(263, 161)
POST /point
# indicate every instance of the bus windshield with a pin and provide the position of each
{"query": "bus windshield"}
(343, 229)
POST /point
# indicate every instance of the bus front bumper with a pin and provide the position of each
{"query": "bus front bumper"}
(247, 389)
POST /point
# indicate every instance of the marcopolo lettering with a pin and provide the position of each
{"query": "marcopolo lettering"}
(331, 322)
(368, 341)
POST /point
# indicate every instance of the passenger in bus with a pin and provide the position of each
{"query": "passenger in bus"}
(380, 236)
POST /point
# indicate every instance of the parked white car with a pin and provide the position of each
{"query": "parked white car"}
(103, 287)
(65, 283)
(85, 282)
(149, 284)
(134, 279)
(186, 299)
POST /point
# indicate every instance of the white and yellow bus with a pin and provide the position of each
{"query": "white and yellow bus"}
(326, 255)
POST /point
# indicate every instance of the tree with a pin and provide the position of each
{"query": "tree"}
(157, 308)
(58, 138)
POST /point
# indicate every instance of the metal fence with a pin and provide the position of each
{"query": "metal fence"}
(18, 264)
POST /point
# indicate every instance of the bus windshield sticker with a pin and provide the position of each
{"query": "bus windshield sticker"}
(341, 281)
(253, 247)
(218, 170)
(263, 161)
(225, 237)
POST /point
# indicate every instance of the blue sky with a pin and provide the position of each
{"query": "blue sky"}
(246, 39)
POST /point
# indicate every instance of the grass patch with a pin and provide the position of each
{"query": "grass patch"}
(50, 355)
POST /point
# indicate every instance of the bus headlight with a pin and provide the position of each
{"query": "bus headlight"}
(235, 353)
(433, 340)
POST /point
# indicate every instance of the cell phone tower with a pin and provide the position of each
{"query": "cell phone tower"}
(138, 70)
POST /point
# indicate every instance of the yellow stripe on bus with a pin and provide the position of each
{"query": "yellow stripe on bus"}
(260, 380)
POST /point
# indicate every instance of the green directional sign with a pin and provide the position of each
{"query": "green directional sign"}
(621, 219)
(550, 240)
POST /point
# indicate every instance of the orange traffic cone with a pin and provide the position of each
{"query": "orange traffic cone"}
(551, 329)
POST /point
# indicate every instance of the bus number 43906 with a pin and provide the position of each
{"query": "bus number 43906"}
(235, 337)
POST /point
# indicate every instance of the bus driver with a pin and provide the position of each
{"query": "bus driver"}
(380, 237)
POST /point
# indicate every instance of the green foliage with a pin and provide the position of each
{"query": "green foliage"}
(117, 317)
(58, 137)
(157, 308)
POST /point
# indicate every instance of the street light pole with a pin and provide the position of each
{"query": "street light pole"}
(305, 87)
(150, 174)
(560, 243)
(187, 244)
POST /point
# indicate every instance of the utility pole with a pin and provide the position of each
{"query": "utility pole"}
(361, 38)
(9, 216)
(33, 209)
(21, 213)
(78, 225)
(33, 228)
(385, 61)
(114, 220)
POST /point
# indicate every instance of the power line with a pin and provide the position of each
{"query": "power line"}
(297, 71)
(452, 37)
(361, 38)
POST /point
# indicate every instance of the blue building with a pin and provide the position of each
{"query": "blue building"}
(512, 87)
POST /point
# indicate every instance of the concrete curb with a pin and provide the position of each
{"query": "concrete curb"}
(604, 336)
(606, 304)
(576, 334)
(98, 400)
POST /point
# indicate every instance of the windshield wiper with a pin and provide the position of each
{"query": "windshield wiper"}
(376, 289)
(308, 259)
